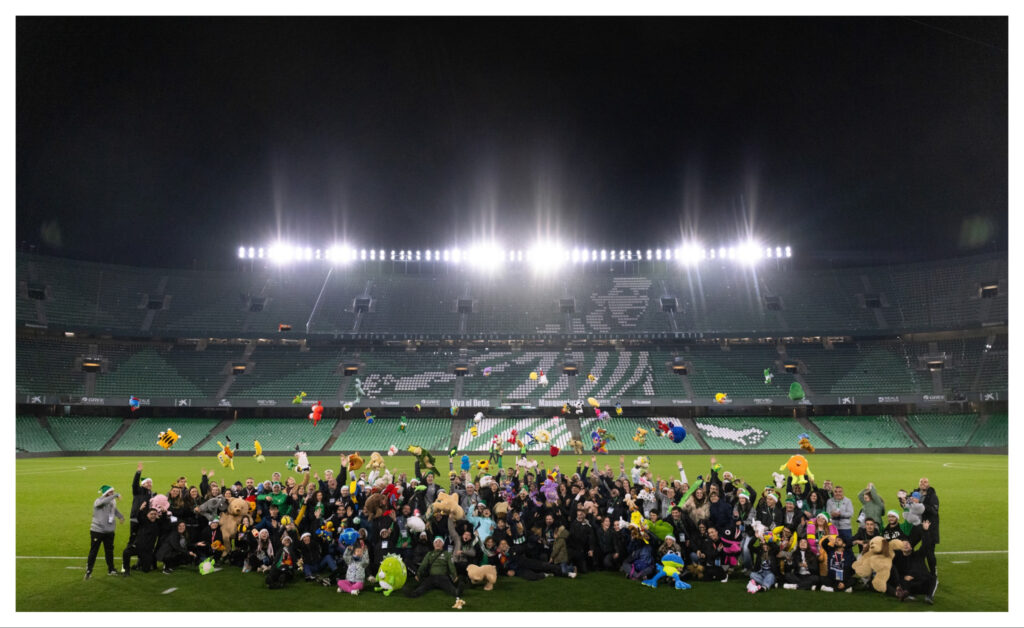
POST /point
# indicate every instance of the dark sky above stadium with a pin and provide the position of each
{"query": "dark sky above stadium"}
(163, 141)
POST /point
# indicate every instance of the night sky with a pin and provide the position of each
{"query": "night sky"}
(163, 141)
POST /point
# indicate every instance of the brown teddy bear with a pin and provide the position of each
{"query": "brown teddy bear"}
(229, 520)
(485, 574)
(449, 505)
(501, 510)
(374, 506)
(577, 446)
(878, 561)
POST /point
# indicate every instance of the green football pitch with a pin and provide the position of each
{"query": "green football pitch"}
(55, 495)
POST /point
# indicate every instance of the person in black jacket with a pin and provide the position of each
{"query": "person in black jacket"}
(910, 573)
(930, 499)
(151, 527)
(142, 490)
(609, 546)
(840, 565)
(174, 548)
(801, 568)
(582, 543)
(313, 557)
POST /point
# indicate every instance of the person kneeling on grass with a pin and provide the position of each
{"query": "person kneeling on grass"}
(910, 573)
(313, 558)
(281, 573)
(174, 548)
(437, 571)
(356, 558)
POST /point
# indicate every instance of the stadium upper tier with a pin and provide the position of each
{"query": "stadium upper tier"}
(398, 299)
(686, 374)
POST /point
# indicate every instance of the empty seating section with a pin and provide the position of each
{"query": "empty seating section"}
(992, 432)
(943, 430)
(754, 433)
(30, 436)
(72, 300)
(415, 304)
(207, 370)
(717, 299)
(273, 434)
(405, 375)
(624, 429)
(516, 304)
(993, 375)
(614, 304)
(666, 382)
(83, 433)
(510, 374)
(208, 301)
(143, 434)
(336, 312)
(502, 428)
(855, 369)
(815, 300)
(49, 367)
(282, 372)
(430, 433)
(142, 371)
(738, 372)
(868, 432)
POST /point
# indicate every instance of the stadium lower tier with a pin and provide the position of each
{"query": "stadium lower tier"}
(81, 434)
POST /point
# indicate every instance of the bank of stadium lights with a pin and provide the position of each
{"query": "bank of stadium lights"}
(543, 256)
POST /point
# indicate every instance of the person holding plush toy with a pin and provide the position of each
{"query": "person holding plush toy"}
(437, 571)
(356, 559)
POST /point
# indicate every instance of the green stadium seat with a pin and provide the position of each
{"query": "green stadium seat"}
(83, 433)
(431, 433)
(31, 437)
(992, 433)
(624, 429)
(143, 433)
(755, 433)
(863, 432)
(943, 430)
(274, 434)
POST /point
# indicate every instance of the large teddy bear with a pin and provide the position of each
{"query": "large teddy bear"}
(485, 574)
(577, 446)
(374, 506)
(878, 561)
(448, 504)
(229, 520)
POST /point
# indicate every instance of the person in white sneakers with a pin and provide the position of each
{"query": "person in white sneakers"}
(802, 568)
(101, 531)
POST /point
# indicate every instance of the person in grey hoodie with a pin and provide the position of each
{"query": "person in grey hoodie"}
(841, 509)
(101, 531)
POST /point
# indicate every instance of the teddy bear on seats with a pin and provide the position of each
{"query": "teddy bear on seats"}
(878, 561)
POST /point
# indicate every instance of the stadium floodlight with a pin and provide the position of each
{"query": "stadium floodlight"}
(241, 252)
(519, 255)
(648, 255)
(318, 253)
(428, 254)
(713, 254)
(789, 252)
(456, 255)
(575, 255)
(252, 252)
(447, 255)
(418, 253)
(392, 255)
(373, 255)
(260, 253)
(362, 254)
(309, 253)
(778, 251)
(657, 255)
(767, 251)
(604, 254)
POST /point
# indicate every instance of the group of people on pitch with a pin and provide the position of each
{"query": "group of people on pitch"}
(531, 524)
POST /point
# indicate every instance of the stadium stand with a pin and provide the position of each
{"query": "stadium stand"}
(993, 432)
(406, 375)
(142, 371)
(868, 432)
(624, 428)
(83, 433)
(739, 372)
(283, 372)
(943, 430)
(49, 367)
(142, 434)
(274, 434)
(502, 428)
(431, 433)
(30, 436)
(854, 368)
(754, 433)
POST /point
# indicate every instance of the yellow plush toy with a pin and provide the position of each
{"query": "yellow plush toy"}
(376, 461)
(226, 456)
(448, 504)
(167, 439)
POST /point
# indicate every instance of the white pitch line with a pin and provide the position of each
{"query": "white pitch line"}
(974, 552)
(78, 468)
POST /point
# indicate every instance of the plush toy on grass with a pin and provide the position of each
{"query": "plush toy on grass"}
(167, 439)
(486, 575)
(671, 565)
(206, 567)
(391, 575)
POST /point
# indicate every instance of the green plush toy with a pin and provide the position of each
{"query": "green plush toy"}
(796, 391)
(391, 575)
(661, 529)
(425, 458)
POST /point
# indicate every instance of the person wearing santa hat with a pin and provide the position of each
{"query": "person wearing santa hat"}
(101, 531)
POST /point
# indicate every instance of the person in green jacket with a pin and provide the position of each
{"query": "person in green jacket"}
(437, 571)
(872, 505)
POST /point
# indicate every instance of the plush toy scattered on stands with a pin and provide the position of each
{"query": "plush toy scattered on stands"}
(604, 416)
(591, 378)
(402, 425)
(805, 443)
(368, 415)
(676, 433)
(317, 413)
(392, 450)
(347, 406)
(513, 437)
(133, 403)
(671, 565)
(543, 435)
(618, 409)
(768, 376)
(454, 410)
(258, 448)
(299, 398)
(577, 446)
(474, 431)
(796, 391)
(533, 375)
(600, 441)
(640, 437)
(798, 469)
(487, 371)
(663, 428)
(226, 456)
(565, 408)
(167, 439)
(543, 379)
(721, 397)
(877, 560)
(594, 403)
(417, 407)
